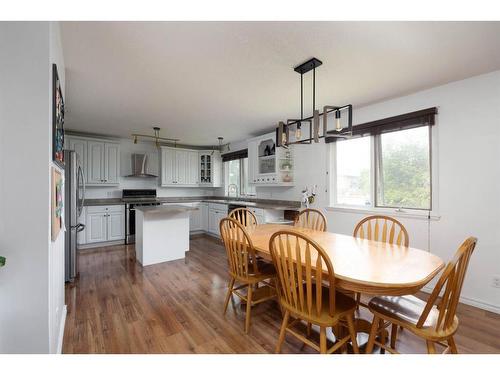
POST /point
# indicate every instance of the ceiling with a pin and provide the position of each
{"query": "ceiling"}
(201, 80)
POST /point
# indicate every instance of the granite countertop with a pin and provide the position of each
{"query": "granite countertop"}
(249, 202)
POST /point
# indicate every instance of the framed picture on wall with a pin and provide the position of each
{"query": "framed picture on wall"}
(56, 201)
(57, 119)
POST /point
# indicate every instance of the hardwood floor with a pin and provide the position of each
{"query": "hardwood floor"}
(117, 306)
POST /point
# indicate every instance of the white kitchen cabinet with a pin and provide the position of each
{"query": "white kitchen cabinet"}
(167, 166)
(216, 212)
(95, 163)
(204, 216)
(111, 163)
(269, 165)
(116, 224)
(79, 145)
(100, 159)
(210, 168)
(192, 168)
(179, 167)
(267, 215)
(195, 218)
(104, 223)
(96, 225)
(252, 162)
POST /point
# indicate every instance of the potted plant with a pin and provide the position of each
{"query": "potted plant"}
(2, 261)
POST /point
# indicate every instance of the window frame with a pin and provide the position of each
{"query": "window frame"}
(241, 178)
(433, 213)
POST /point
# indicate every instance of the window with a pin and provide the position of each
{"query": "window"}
(388, 170)
(236, 181)
(353, 172)
(404, 170)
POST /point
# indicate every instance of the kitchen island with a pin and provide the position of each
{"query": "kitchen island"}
(162, 233)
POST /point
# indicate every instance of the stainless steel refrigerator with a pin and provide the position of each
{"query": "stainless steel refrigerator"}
(74, 197)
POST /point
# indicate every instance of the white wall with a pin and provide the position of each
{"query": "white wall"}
(57, 308)
(468, 127)
(31, 284)
(127, 148)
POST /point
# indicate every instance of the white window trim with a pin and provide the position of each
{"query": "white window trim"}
(331, 182)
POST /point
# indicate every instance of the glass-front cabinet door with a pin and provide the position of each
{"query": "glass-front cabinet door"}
(205, 168)
(267, 156)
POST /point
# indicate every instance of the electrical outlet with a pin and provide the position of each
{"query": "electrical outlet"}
(496, 281)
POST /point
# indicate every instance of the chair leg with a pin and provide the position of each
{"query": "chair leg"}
(322, 340)
(282, 332)
(373, 334)
(228, 295)
(431, 348)
(352, 333)
(249, 308)
(382, 336)
(309, 326)
(394, 335)
(358, 300)
(452, 345)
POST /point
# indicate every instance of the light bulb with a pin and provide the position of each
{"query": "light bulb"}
(298, 132)
(338, 125)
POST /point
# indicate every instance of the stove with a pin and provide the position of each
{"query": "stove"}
(133, 198)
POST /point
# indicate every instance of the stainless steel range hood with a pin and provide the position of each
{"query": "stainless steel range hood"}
(139, 166)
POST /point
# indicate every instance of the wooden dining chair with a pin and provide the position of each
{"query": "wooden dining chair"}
(244, 216)
(302, 267)
(383, 229)
(245, 268)
(311, 219)
(434, 321)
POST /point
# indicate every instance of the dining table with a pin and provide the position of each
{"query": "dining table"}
(360, 265)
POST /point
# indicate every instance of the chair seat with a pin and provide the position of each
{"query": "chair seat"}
(343, 305)
(406, 308)
(406, 311)
(266, 271)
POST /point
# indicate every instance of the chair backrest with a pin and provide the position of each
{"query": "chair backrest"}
(453, 278)
(301, 265)
(382, 228)
(239, 249)
(311, 219)
(244, 216)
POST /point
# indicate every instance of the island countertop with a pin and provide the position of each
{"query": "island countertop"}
(169, 208)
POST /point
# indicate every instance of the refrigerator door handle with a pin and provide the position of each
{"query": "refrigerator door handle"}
(82, 175)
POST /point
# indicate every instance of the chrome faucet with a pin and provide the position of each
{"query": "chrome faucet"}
(232, 189)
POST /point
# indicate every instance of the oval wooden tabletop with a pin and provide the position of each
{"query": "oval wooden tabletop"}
(364, 266)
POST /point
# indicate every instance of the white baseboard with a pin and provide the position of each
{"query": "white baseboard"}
(100, 244)
(472, 302)
(61, 329)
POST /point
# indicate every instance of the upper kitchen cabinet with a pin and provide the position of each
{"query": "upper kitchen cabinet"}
(103, 163)
(210, 170)
(179, 167)
(267, 164)
(100, 159)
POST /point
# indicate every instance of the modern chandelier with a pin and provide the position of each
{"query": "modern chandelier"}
(343, 129)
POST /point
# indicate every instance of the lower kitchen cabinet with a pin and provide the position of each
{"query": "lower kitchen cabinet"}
(104, 223)
(195, 218)
(216, 212)
(204, 216)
